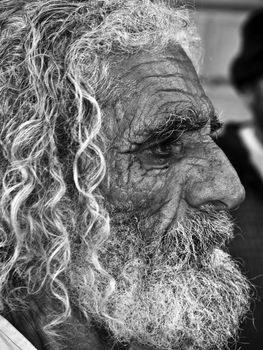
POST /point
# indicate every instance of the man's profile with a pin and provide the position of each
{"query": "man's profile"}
(114, 198)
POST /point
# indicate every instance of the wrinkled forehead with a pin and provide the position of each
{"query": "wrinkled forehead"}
(154, 84)
(173, 63)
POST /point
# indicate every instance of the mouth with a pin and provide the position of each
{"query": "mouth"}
(193, 240)
(190, 241)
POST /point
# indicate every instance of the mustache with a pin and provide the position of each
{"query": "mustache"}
(211, 228)
(188, 242)
(194, 239)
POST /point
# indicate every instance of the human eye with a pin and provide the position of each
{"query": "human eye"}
(165, 149)
(216, 126)
(161, 155)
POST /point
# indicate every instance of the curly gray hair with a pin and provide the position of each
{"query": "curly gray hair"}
(55, 58)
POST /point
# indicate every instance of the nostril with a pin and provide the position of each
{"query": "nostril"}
(218, 205)
(215, 205)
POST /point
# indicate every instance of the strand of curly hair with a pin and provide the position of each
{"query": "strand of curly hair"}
(55, 57)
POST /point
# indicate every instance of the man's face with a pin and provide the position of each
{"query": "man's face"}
(168, 191)
(163, 160)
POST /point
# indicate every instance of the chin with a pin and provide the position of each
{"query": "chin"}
(171, 308)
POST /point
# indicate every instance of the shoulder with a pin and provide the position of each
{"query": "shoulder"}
(11, 338)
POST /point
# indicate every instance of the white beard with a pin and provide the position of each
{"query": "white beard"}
(179, 291)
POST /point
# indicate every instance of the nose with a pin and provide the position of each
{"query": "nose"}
(214, 182)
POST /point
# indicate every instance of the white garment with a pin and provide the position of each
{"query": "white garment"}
(11, 338)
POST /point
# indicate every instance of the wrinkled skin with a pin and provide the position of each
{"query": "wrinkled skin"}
(160, 174)
(157, 177)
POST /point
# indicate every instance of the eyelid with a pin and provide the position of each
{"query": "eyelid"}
(157, 137)
(173, 137)
(215, 126)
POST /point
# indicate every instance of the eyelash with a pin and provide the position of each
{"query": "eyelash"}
(160, 155)
(173, 148)
(216, 127)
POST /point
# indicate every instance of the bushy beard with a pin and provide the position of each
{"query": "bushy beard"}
(178, 290)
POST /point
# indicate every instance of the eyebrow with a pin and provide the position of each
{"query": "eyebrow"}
(175, 124)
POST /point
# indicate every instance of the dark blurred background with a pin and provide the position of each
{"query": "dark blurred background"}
(219, 24)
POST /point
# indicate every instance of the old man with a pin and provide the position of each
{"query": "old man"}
(114, 198)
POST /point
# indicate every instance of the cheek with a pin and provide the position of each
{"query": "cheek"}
(132, 185)
(153, 196)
